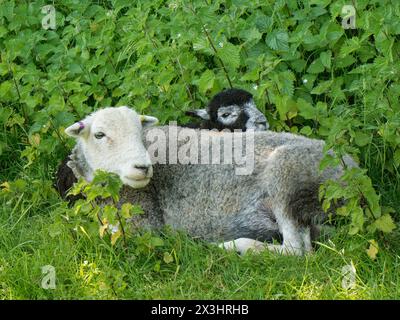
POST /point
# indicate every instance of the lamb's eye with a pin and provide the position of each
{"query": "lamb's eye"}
(99, 135)
(225, 115)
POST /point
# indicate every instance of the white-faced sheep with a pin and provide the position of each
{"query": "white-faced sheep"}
(209, 201)
(232, 109)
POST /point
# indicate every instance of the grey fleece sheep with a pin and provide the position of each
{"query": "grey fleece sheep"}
(209, 201)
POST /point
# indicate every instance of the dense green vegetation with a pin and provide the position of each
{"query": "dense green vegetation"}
(308, 74)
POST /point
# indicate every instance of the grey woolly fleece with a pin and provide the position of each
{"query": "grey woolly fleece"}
(211, 202)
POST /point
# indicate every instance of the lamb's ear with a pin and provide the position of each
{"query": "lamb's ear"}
(148, 121)
(78, 129)
(198, 113)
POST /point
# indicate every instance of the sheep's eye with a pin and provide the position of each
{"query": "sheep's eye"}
(99, 135)
(225, 115)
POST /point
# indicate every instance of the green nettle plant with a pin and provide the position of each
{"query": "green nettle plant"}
(100, 209)
(308, 74)
(111, 219)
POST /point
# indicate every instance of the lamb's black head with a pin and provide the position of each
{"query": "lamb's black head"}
(231, 109)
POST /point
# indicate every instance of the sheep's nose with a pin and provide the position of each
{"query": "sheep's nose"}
(144, 168)
(140, 172)
(261, 126)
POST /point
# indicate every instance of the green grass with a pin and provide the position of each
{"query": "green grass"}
(89, 268)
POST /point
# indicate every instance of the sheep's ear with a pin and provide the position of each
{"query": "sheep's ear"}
(148, 121)
(198, 113)
(78, 129)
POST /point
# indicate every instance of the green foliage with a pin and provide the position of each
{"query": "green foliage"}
(362, 202)
(100, 213)
(111, 220)
(307, 73)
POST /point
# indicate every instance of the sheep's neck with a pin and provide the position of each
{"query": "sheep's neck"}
(79, 165)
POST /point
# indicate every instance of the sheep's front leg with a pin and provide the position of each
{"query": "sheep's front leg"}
(296, 240)
(244, 245)
(294, 237)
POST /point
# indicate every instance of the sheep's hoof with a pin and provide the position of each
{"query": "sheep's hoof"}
(243, 245)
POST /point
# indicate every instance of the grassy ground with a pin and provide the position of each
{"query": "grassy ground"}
(89, 268)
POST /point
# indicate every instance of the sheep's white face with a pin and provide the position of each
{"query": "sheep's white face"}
(111, 140)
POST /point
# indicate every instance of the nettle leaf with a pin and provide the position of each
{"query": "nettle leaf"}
(3, 31)
(308, 80)
(322, 87)
(306, 110)
(362, 139)
(5, 114)
(278, 40)
(126, 210)
(156, 242)
(202, 45)
(373, 249)
(322, 109)
(357, 220)
(6, 90)
(385, 223)
(307, 131)
(316, 66)
(110, 214)
(252, 75)
(229, 54)
(103, 228)
(326, 58)
(56, 104)
(115, 236)
(4, 68)
(333, 32)
(384, 43)
(349, 46)
(343, 211)
(206, 81)
(287, 107)
(284, 81)
(298, 65)
(345, 62)
(251, 34)
(64, 118)
(168, 258)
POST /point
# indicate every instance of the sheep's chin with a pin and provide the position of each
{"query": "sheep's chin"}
(136, 184)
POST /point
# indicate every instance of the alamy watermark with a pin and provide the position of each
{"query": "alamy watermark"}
(49, 277)
(202, 147)
(349, 17)
(49, 20)
(348, 277)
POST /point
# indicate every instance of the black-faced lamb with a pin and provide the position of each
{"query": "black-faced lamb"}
(239, 204)
(232, 109)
